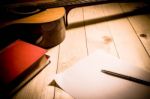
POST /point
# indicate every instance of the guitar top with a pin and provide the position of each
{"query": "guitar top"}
(29, 7)
(46, 16)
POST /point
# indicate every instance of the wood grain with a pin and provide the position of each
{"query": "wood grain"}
(140, 23)
(127, 42)
(97, 34)
(72, 49)
(95, 29)
(46, 16)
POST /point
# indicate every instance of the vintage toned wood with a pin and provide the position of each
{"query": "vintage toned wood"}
(127, 43)
(92, 28)
(98, 34)
(46, 16)
(73, 48)
(141, 23)
(53, 33)
(49, 23)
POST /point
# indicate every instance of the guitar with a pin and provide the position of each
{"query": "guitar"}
(45, 29)
(49, 20)
(25, 8)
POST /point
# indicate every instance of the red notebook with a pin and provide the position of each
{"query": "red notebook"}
(16, 58)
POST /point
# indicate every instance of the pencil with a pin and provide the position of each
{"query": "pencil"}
(136, 80)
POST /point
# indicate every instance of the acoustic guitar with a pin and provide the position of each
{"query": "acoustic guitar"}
(25, 8)
(45, 18)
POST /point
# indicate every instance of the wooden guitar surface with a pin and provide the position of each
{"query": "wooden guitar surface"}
(58, 9)
(48, 24)
(45, 16)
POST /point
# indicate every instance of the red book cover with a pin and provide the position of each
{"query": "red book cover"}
(17, 58)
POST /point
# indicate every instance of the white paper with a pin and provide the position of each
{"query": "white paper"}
(84, 80)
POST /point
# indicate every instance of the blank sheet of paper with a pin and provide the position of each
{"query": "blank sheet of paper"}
(84, 80)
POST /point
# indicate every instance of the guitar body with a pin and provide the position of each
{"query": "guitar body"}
(46, 27)
(50, 23)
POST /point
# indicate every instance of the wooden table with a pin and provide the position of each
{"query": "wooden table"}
(91, 28)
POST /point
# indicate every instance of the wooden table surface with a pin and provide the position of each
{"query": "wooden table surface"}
(104, 26)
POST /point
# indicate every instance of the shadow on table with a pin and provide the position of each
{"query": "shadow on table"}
(138, 11)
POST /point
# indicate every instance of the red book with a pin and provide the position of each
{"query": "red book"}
(17, 59)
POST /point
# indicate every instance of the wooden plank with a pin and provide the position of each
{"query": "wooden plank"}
(73, 48)
(97, 31)
(127, 43)
(101, 35)
(140, 23)
(39, 88)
